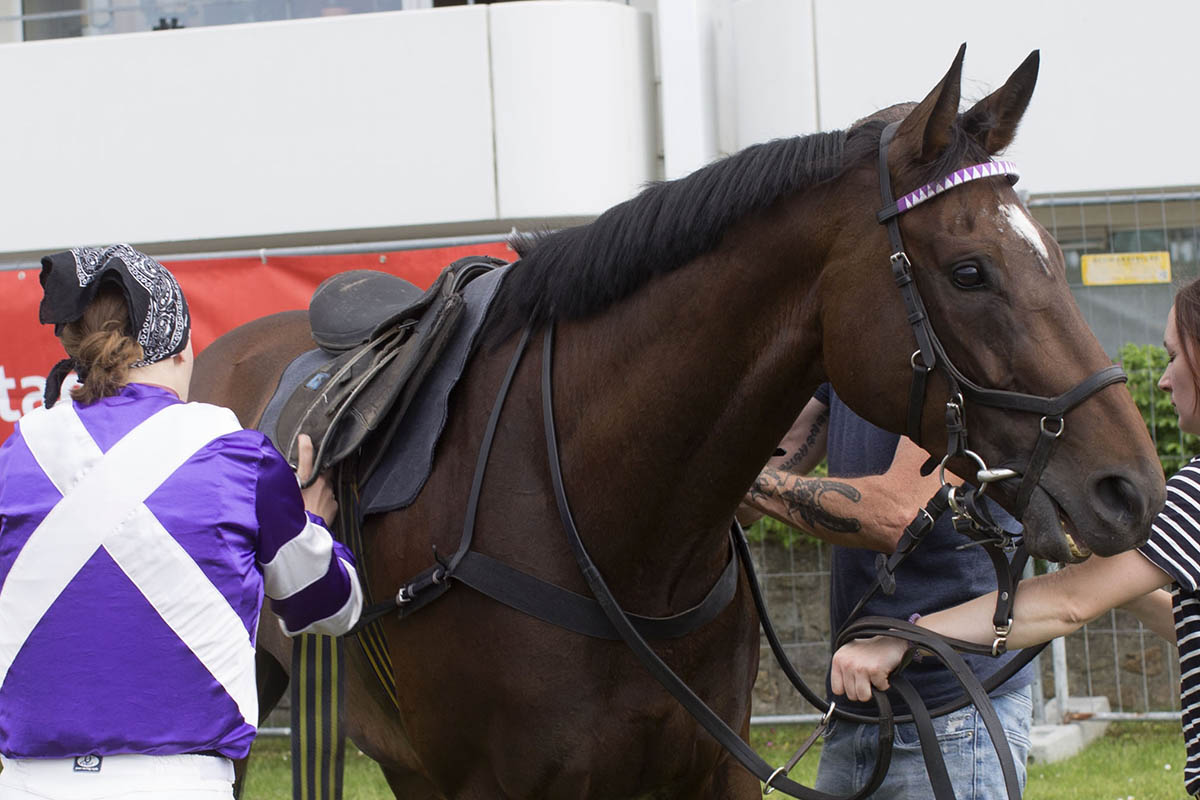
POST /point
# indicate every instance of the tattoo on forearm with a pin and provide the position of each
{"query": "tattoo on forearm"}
(803, 499)
(813, 432)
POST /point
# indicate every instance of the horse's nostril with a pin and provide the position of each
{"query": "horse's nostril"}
(1119, 500)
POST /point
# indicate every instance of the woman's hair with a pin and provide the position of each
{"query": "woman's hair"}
(1187, 326)
(102, 345)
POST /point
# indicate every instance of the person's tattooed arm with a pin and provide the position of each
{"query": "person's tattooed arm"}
(869, 511)
(802, 447)
(815, 505)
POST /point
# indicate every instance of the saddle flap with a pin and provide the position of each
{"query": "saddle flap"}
(358, 397)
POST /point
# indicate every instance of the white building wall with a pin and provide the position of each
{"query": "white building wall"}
(774, 65)
(359, 126)
(1114, 105)
(572, 85)
(475, 119)
(687, 47)
(247, 130)
(10, 31)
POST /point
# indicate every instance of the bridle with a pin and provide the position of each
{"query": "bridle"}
(930, 353)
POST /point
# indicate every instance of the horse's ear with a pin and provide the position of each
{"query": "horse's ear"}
(993, 120)
(933, 118)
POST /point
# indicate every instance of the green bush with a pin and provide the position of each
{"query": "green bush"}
(1145, 365)
(769, 528)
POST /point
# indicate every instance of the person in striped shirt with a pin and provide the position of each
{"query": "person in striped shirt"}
(1058, 603)
(139, 534)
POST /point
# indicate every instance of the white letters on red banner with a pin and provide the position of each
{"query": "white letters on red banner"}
(221, 294)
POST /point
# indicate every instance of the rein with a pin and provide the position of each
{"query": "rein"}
(774, 779)
(940, 647)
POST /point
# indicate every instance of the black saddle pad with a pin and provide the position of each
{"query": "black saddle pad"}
(403, 471)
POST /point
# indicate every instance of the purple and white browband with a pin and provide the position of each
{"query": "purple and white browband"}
(956, 178)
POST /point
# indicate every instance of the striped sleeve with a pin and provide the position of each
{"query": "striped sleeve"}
(1174, 543)
(309, 576)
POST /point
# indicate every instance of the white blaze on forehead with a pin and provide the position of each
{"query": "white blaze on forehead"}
(1023, 225)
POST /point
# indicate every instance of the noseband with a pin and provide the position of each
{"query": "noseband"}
(930, 353)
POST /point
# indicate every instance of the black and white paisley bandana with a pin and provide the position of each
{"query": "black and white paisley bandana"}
(158, 312)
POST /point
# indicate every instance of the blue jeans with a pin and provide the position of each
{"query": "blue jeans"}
(850, 750)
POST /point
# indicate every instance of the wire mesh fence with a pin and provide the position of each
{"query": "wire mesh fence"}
(1113, 656)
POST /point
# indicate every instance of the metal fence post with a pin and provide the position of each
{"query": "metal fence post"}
(1038, 693)
(1058, 665)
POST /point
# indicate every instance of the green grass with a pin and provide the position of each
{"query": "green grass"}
(270, 776)
(1139, 760)
(777, 743)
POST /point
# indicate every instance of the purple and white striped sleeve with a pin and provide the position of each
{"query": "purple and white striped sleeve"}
(308, 575)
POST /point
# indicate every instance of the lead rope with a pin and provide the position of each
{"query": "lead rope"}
(919, 715)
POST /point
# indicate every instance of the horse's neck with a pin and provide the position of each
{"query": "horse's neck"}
(670, 402)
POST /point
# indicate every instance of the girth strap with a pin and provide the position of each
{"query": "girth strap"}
(368, 632)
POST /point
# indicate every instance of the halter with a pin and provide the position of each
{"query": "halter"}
(930, 353)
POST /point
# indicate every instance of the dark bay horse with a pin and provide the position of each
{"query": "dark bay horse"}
(693, 323)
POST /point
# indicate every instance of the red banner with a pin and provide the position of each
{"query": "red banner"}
(221, 294)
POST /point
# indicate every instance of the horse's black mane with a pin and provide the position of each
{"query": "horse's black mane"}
(580, 271)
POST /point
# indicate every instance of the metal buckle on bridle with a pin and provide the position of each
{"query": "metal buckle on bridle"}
(983, 474)
(913, 360)
(1000, 643)
(975, 523)
(1062, 425)
(795, 759)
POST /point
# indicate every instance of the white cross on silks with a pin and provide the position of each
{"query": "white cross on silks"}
(103, 506)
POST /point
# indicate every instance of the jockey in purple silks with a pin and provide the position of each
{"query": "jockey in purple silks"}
(138, 535)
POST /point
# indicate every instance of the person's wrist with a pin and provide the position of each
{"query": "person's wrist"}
(918, 656)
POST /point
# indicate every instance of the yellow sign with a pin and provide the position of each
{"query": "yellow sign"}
(1117, 269)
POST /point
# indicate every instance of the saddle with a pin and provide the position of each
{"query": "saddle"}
(382, 336)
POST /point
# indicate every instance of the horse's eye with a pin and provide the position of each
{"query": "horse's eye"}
(968, 276)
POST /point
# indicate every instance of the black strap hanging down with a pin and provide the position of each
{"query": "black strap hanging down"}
(708, 719)
(935, 763)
